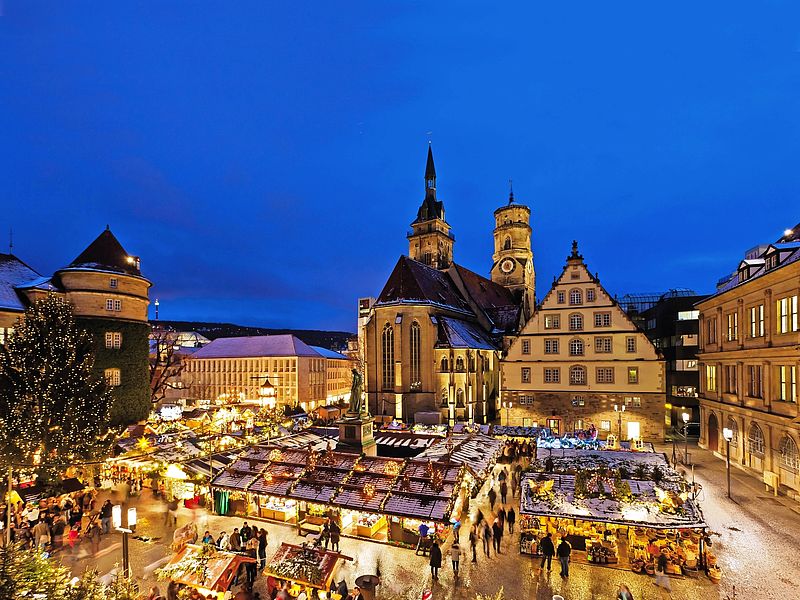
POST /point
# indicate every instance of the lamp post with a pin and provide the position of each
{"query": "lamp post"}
(116, 520)
(685, 416)
(619, 409)
(728, 435)
(507, 406)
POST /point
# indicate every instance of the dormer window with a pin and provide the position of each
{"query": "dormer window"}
(771, 261)
(743, 274)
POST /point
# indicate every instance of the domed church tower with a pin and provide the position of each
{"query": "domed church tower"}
(512, 261)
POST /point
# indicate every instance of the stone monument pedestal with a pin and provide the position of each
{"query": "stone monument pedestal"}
(355, 431)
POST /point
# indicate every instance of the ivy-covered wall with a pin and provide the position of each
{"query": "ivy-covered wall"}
(132, 396)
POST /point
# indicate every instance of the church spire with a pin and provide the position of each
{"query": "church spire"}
(430, 174)
(510, 191)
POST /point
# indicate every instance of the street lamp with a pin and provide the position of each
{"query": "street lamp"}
(619, 409)
(507, 406)
(728, 435)
(116, 520)
(685, 416)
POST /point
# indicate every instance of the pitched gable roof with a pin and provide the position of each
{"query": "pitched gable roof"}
(411, 282)
(13, 273)
(256, 345)
(105, 253)
(496, 301)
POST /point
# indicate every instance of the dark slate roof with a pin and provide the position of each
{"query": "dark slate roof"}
(496, 301)
(430, 170)
(456, 333)
(13, 273)
(411, 282)
(105, 253)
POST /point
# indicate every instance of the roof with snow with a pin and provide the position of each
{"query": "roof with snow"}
(13, 273)
(456, 333)
(255, 346)
(329, 353)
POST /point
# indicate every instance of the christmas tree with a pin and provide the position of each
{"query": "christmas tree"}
(54, 411)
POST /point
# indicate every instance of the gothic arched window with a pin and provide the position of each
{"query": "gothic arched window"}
(445, 365)
(507, 243)
(387, 357)
(416, 336)
(459, 364)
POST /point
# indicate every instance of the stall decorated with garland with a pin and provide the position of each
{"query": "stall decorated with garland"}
(619, 508)
(204, 568)
(384, 499)
(304, 567)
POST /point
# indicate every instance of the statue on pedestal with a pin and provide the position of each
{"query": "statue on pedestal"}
(356, 392)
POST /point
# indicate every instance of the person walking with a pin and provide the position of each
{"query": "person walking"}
(436, 559)
(263, 540)
(105, 515)
(492, 498)
(501, 515)
(235, 541)
(497, 535)
(326, 533)
(662, 579)
(548, 551)
(336, 533)
(487, 538)
(511, 518)
(563, 552)
(624, 592)
(503, 492)
(455, 556)
(473, 542)
(94, 538)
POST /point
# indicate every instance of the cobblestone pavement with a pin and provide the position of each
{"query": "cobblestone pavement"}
(756, 548)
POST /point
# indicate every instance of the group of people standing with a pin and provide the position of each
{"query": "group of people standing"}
(250, 541)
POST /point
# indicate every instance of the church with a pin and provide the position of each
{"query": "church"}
(434, 336)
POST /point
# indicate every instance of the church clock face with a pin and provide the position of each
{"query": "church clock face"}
(507, 265)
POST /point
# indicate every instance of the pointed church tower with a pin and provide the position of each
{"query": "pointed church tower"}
(430, 241)
(512, 261)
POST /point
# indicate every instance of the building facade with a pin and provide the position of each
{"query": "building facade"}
(431, 340)
(109, 297)
(672, 324)
(749, 359)
(230, 370)
(578, 358)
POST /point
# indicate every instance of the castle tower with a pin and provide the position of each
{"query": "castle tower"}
(430, 241)
(512, 261)
(110, 296)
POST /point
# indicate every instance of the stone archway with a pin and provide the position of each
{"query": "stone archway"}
(713, 432)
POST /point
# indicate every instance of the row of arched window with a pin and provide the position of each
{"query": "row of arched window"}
(789, 454)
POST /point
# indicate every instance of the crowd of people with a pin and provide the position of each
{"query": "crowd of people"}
(58, 524)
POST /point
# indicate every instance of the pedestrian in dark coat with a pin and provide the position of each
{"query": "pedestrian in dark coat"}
(563, 552)
(548, 550)
(497, 535)
(473, 542)
(492, 498)
(511, 518)
(436, 560)
(335, 534)
(501, 515)
(487, 537)
(503, 491)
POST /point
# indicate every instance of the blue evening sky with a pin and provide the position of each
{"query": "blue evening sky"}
(265, 158)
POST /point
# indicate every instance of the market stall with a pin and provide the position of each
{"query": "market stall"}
(383, 499)
(306, 567)
(614, 508)
(204, 568)
(476, 451)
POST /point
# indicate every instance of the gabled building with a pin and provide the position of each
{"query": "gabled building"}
(432, 338)
(109, 296)
(579, 360)
(749, 361)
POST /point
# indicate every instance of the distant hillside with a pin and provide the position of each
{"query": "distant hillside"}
(333, 340)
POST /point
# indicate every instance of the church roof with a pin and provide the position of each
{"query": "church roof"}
(105, 253)
(496, 301)
(13, 273)
(411, 282)
(430, 169)
(457, 333)
(256, 345)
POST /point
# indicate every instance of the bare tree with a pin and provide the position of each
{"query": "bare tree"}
(166, 363)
